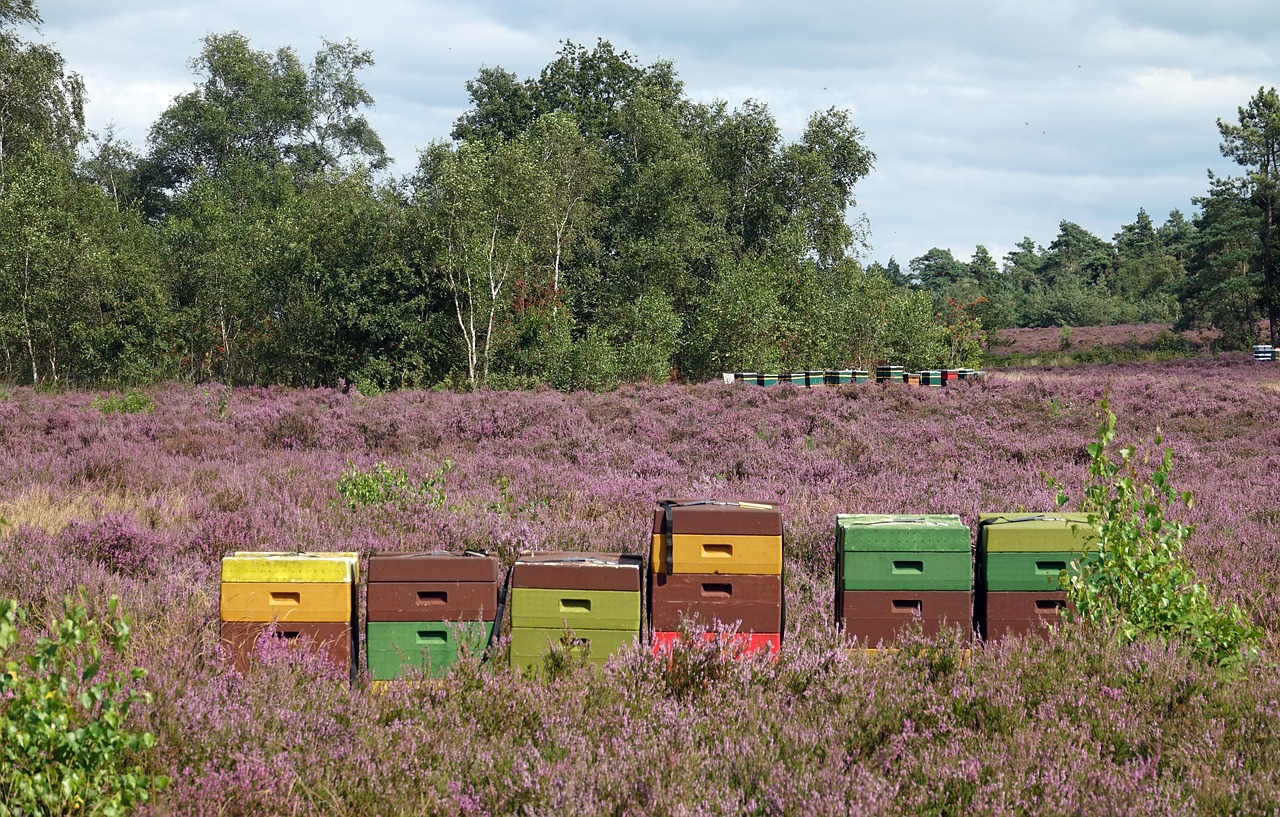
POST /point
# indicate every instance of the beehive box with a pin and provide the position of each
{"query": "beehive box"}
(432, 587)
(287, 601)
(576, 608)
(302, 596)
(712, 536)
(596, 596)
(394, 649)
(1006, 614)
(903, 552)
(289, 566)
(838, 377)
(744, 645)
(530, 645)
(876, 616)
(1032, 532)
(753, 603)
(333, 641)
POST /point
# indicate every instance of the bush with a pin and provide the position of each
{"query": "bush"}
(134, 402)
(386, 486)
(1141, 586)
(66, 745)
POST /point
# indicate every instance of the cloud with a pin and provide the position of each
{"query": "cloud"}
(990, 119)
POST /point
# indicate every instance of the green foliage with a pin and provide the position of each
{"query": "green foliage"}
(384, 486)
(66, 743)
(133, 402)
(1141, 586)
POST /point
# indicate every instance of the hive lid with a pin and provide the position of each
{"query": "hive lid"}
(571, 570)
(740, 517)
(433, 566)
(902, 532)
(1032, 532)
(291, 566)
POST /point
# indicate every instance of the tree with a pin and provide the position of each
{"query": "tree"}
(266, 110)
(41, 103)
(1222, 282)
(481, 204)
(1254, 143)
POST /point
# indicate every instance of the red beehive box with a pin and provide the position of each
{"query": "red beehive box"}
(753, 602)
(750, 643)
(432, 587)
(1012, 612)
(876, 616)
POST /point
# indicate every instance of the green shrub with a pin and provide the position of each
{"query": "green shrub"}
(133, 402)
(66, 745)
(1142, 586)
(386, 486)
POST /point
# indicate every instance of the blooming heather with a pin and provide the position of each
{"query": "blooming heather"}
(144, 505)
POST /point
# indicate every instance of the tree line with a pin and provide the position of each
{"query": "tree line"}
(1215, 270)
(588, 226)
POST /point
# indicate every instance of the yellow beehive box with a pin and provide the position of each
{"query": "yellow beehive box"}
(281, 566)
(287, 601)
(717, 553)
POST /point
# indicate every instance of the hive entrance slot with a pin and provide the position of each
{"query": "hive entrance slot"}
(427, 598)
(433, 637)
(721, 590)
(717, 551)
(1051, 567)
(907, 566)
(1050, 604)
(575, 605)
(282, 599)
(907, 605)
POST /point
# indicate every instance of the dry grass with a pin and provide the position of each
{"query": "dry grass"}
(52, 510)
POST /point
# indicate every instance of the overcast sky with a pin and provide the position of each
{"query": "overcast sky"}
(991, 120)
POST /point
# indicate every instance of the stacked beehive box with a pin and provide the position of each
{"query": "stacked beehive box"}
(424, 610)
(717, 563)
(888, 373)
(310, 597)
(596, 596)
(1021, 558)
(892, 570)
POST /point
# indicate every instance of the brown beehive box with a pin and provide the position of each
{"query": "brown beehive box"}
(432, 601)
(1003, 614)
(566, 570)
(333, 640)
(883, 615)
(754, 602)
(432, 567)
(737, 517)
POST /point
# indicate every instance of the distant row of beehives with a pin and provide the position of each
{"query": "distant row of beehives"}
(837, 377)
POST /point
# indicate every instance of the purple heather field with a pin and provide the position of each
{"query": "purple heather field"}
(144, 505)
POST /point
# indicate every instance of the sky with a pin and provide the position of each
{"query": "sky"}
(991, 120)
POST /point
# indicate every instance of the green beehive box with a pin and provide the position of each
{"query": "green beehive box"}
(861, 376)
(837, 377)
(1035, 533)
(767, 379)
(530, 644)
(394, 649)
(902, 532)
(1033, 570)
(587, 609)
(893, 570)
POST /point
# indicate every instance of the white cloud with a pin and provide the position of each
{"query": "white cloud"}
(991, 119)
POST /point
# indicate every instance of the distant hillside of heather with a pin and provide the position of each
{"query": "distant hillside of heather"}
(139, 495)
